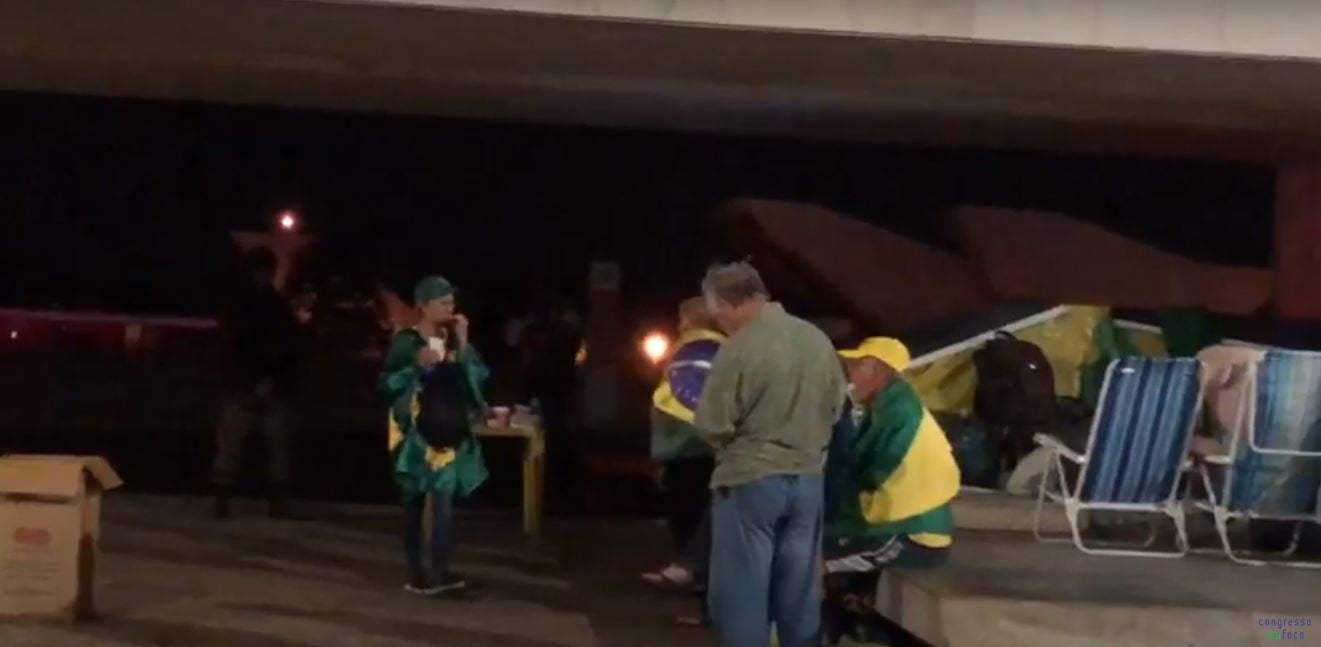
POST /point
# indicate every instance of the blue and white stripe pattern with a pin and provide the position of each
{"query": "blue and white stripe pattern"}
(1141, 435)
(689, 368)
(1287, 417)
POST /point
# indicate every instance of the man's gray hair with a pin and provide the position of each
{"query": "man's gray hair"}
(733, 283)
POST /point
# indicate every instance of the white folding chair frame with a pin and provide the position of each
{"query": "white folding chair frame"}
(1217, 503)
(1069, 497)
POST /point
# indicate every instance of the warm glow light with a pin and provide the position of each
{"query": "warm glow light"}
(581, 357)
(288, 221)
(655, 346)
(13, 334)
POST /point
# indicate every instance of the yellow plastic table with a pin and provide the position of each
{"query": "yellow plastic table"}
(534, 470)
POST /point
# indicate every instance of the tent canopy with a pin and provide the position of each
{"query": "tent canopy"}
(1070, 336)
(824, 263)
(887, 282)
(1022, 253)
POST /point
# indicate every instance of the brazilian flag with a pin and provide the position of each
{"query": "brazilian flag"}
(675, 400)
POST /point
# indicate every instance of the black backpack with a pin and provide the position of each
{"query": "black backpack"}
(442, 418)
(1015, 383)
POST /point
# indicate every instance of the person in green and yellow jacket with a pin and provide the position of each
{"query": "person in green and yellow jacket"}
(897, 477)
(433, 381)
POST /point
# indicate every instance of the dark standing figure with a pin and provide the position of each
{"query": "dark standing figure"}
(508, 385)
(553, 381)
(259, 343)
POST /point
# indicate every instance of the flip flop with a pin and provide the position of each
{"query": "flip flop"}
(660, 578)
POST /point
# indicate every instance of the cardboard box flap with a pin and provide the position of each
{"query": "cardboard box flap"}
(57, 476)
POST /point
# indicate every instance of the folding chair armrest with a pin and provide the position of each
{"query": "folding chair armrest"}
(1208, 450)
(1054, 444)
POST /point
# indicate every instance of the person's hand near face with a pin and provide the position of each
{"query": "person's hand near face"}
(441, 314)
(439, 311)
(461, 329)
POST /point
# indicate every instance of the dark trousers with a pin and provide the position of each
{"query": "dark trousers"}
(442, 536)
(853, 570)
(696, 556)
(563, 455)
(686, 484)
(240, 414)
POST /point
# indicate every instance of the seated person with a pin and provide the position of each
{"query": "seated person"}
(896, 477)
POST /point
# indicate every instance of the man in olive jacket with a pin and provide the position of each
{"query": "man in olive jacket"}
(774, 392)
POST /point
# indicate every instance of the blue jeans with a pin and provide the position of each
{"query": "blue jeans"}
(442, 537)
(766, 546)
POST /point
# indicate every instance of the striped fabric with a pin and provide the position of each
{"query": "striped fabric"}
(1141, 436)
(1287, 416)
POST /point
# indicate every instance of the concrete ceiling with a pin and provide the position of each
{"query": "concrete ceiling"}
(558, 69)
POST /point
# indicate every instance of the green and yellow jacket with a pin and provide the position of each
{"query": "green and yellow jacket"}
(897, 475)
(418, 467)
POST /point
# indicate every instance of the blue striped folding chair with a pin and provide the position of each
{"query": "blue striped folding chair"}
(1271, 469)
(1136, 452)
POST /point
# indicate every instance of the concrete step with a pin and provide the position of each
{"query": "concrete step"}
(1006, 590)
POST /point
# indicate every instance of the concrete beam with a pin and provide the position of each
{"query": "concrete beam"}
(1277, 28)
(375, 56)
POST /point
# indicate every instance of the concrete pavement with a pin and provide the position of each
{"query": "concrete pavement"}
(170, 576)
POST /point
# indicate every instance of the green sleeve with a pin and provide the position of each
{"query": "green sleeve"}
(892, 424)
(401, 370)
(717, 409)
(475, 372)
(672, 438)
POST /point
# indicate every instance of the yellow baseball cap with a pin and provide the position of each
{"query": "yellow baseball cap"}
(887, 349)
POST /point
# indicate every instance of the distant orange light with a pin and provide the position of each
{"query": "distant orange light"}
(655, 347)
(288, 221)
(580, 358)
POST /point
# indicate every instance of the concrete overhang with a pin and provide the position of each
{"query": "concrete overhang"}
(566, 68)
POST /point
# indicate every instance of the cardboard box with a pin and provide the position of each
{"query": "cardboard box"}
(50, 517)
